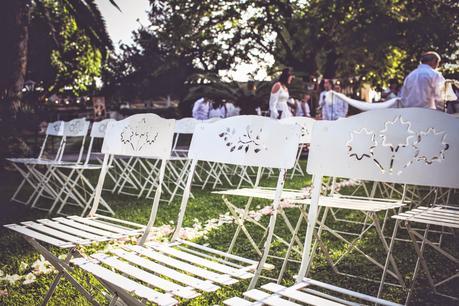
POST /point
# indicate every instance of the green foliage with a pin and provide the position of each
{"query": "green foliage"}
(75, 60)
(377, 40)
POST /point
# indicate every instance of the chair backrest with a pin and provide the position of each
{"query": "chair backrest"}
(411, 146)
(55, 128)
(141, 135)
(305, 123)
(248, 141)
(186, 125)
(76, 127)
(211, 120)
(98, 128)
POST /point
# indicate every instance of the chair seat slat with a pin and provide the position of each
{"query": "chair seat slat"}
(268, 299)
(206, 286)
(151, 279)
(124, 282)
(293, 293)
(39, 236)
(58, 234)
(178, 264)
(203, 262)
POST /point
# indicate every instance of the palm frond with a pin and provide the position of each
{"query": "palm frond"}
(89, 18)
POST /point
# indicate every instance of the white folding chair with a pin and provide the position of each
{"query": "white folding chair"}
(52, 180)
(29, 176)
(435, 166)
(446, 219)
(75, 183)
(402, 146)
(190, 267)
(260, 192)
(145, 135)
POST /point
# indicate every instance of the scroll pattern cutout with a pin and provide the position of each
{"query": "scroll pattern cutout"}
(56, 126)
(76, 127)
(305, 131)
(103, 127)
(249, 141)
(397, 146)
(138, 136)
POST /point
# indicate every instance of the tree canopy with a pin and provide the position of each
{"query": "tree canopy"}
(378, 40)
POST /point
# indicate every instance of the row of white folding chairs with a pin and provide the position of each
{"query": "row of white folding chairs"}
(61, 181)
(276, 149)
(370, 206)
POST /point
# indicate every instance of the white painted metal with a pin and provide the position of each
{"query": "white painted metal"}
(407, 146)
(413, 146)
(247, 141)
(142, 135)
(204, 265)
(147, 135)
(306, 125)
(305, 293)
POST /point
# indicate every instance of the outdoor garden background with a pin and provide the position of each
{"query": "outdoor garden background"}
(56, 56)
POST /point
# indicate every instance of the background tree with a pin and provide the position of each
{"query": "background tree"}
(82, 16)
(368, 40)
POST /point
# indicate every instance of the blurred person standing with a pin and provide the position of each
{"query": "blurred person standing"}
(249, 102)
(217, 109)
(332, 107)
(278, 106)
(201, 109)
(302, 106)
(423, 86)
(391, 92)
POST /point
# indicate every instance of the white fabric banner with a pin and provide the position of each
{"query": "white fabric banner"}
(361, 105)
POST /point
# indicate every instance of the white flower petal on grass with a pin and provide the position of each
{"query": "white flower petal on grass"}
(29, 279)
(11, 279)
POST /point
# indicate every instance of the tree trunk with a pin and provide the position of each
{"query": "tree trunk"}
(19, 31)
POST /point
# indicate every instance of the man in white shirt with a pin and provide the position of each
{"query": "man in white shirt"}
(332, 109)
(423, 86)
(201, 109)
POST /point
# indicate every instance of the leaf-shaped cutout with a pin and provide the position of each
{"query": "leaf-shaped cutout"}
(256, 150)
(232, 148)
(246, 149)
(226, 138)
(228, 144)
(221, 134)
(240, 147)
(258, 137)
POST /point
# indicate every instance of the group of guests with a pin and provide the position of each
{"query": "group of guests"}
(422, 88)
(281, 105)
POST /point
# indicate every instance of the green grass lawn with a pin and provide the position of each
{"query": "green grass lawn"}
(17, 256)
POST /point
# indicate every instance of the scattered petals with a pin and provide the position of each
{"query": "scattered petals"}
(29, 279)
(11, 279)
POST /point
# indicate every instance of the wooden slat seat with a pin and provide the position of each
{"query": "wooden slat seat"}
(307, 292)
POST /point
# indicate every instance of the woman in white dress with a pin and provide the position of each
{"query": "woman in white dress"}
(278, 106)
